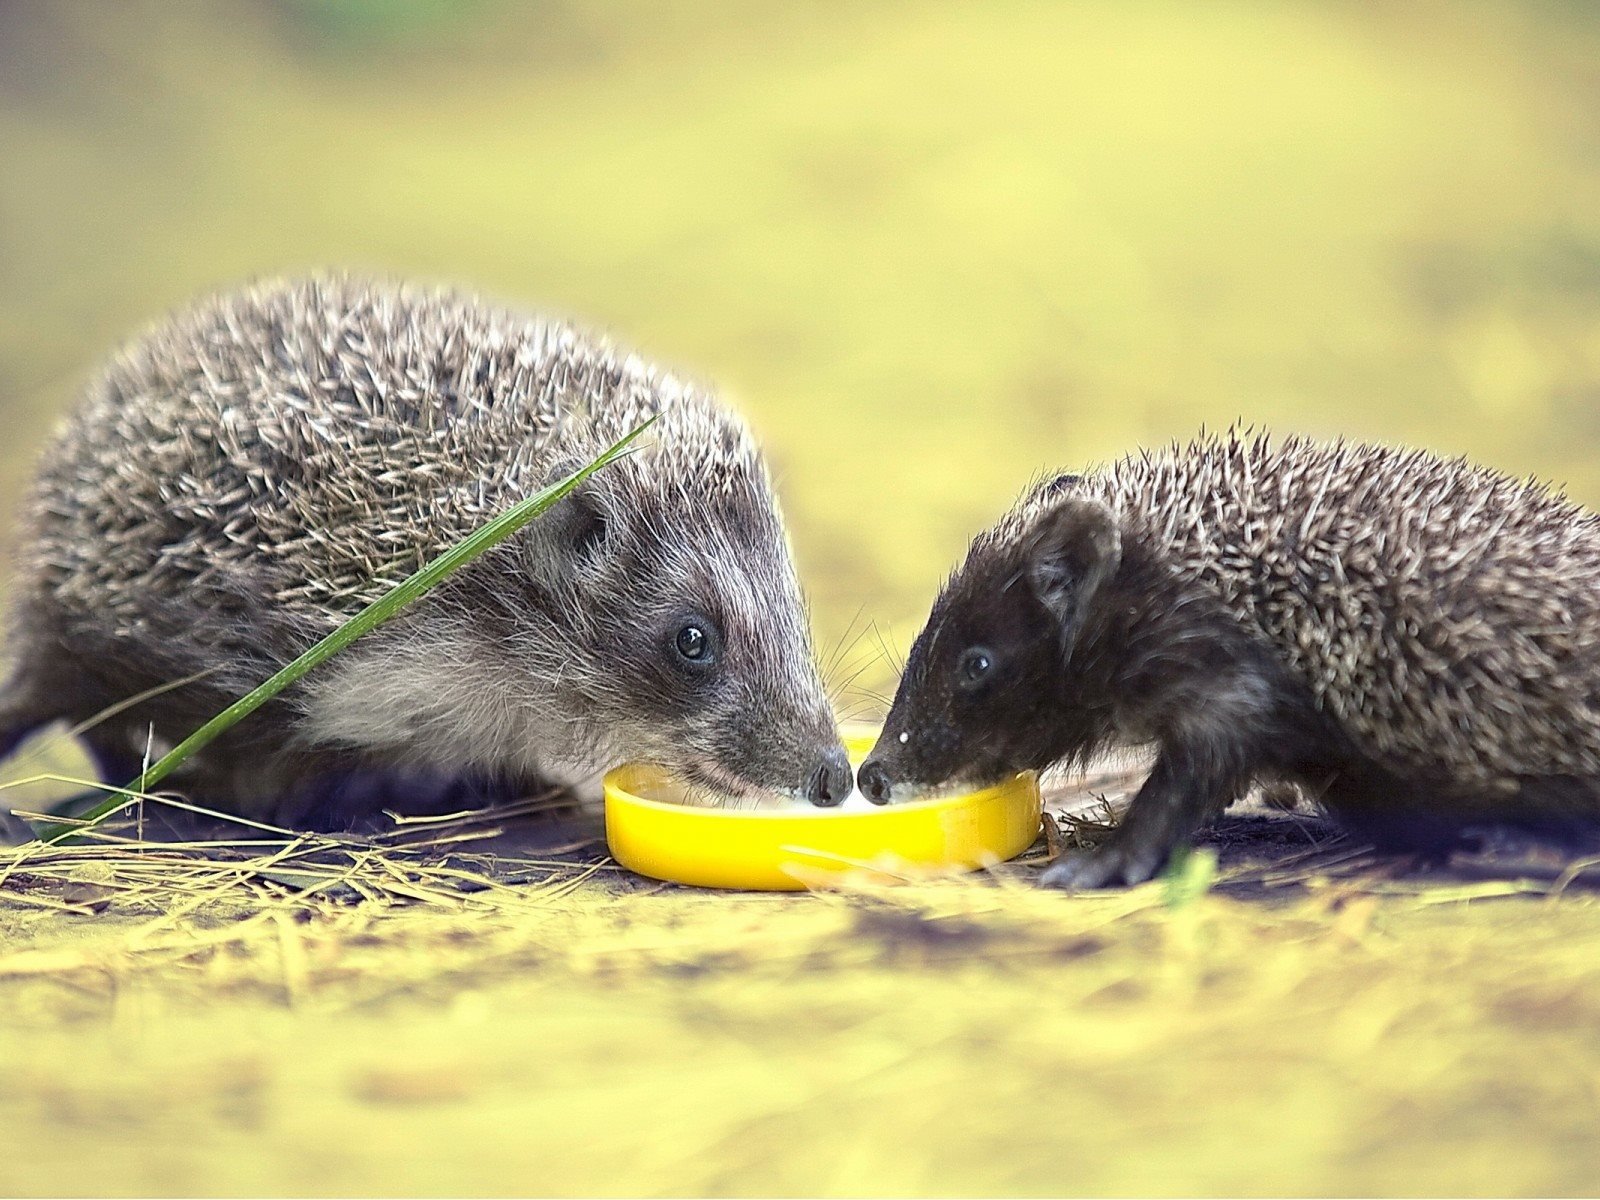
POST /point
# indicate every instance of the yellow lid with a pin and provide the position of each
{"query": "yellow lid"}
(784, 849)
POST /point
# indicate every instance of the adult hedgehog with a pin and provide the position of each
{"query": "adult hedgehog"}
(248, 475)
(1415, 639)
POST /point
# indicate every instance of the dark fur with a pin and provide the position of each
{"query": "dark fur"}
(1106, 624)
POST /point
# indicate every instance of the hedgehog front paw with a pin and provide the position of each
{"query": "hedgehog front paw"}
(1104, 867)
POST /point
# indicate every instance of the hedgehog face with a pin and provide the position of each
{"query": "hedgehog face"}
(990, 686)
(725, 695)
(689, 640)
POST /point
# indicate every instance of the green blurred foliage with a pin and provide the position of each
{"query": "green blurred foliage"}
(929, 250)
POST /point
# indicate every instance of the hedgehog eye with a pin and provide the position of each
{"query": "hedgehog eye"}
(974, 666)
(696, 643)
(692, 642)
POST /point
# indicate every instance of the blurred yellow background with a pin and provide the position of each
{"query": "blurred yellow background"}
(928, 250)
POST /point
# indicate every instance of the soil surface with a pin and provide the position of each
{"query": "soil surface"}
(511, 1013)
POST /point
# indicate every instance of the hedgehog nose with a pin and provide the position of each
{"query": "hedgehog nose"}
(874, 781)
(830, 783)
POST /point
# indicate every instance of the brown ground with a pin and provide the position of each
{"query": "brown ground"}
(513, 1014)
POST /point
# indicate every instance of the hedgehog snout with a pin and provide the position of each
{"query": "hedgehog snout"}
(831, 782)
(909, 762)
(874, 781)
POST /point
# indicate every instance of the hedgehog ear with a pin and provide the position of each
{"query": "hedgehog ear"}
(570, 535)
(1073, 548)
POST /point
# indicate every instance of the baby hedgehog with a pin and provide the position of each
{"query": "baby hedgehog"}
(1415, 640)
(243, 478)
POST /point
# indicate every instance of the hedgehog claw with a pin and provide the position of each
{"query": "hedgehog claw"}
(1105, 867)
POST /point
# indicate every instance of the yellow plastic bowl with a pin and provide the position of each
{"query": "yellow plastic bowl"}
(788, 849)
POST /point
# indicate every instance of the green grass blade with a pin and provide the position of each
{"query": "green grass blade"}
(483, 539)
